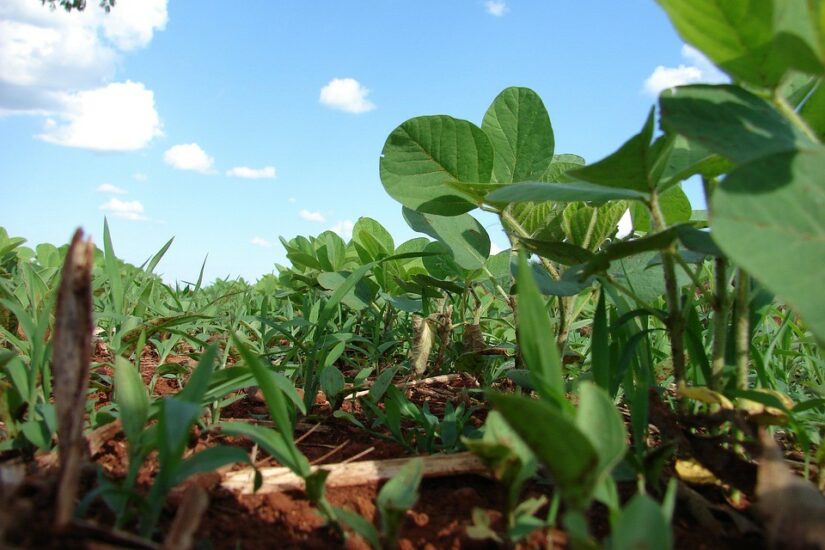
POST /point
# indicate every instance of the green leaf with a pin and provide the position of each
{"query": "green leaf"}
(275, 402)
(199, 381)
(422, 155)
(589, 226)
(466, 238)
(519, 128)
(373, 239)
(209, 460)
(729, 121)
(112, 270)
(158, 256)
(561, 252)
(277, 444)
(536, 191)
(557, 171)
(537, 339)
(688, 158)
(339, 293)
(400, 493)
(360, 525)
(737, 36)
(768, 218)
(330, 250)
(555, 440)
(131, 398)
(600, 421)
(332, 381)
(174, 422)
(358, 298)
(629, 167)
(599, 348)
(642, 524)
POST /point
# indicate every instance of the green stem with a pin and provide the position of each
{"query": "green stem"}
(742, 328)
(675, 320)
(790, 113)
(720, 322)
(506, 216)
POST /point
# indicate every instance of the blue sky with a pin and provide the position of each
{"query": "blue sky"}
(227, 125)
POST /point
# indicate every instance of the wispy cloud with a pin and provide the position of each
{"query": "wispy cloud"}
(496, 7)
(189, 156)
(267, 172)
(140, 176)
(260, 241)
(343, 229)
(346, 94)
(111, 189)
(312, 216)
(697, 69)
(291, 200)
(130, 210)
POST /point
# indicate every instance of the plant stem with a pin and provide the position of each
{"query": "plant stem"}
(675, 321)
(506, 216)
(720, 322)
(742, 328)
(790, 113)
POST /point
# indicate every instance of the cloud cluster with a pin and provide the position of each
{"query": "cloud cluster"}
(496, 8)
(130, 210)
(697, 69)
(60, 65)
(111, 189)
(346, 94)
(311, 216)
(189, 156)
(260, 241)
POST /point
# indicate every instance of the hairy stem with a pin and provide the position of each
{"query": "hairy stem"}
(675, 321)
(742, 328)
(720, 322)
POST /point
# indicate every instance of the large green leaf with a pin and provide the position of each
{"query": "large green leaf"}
(600, 421)
(729, 121)
(359, 297)
(630, 167)
(557, 171)
(371, 237)
(555, 440)
(467, 239)
(536, 191)
(519, 127)
(739, 36)
(768, 218)
(642, 524)
(424, 154)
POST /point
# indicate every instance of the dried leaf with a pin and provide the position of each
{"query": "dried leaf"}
(72, 350)
(793, 508)
(422, 343)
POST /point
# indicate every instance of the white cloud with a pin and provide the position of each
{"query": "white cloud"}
(140, 176)
(496, 7)
(343, 229)
(117, 117)
(112, 189)
(260, 241)
(698, 69)
(130, 210)
(189, 156)
(291, 200)
(346, 94)
(50, 57)
(267, 172)
(312, 216)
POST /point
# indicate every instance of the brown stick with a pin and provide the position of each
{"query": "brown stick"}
(182, 533)
(72, 349)
(353, 473)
